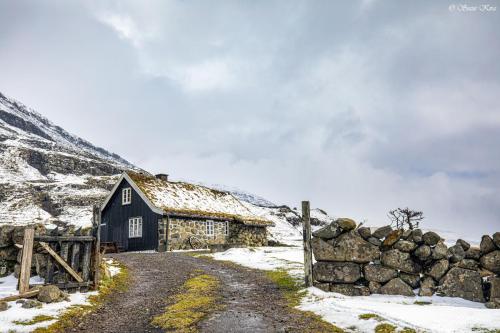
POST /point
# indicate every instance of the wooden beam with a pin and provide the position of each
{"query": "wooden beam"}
(64, 238)
(306, 233)
(24, 276)
(28, 294)
(61, 262)
(87, 247)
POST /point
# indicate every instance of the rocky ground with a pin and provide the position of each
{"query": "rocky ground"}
(252, 302)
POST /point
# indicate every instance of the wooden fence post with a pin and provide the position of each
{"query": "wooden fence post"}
(306, 233)
(97, 245)
(24, 276)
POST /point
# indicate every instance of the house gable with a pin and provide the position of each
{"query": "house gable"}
(127, 178)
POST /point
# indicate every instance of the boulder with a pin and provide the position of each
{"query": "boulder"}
(379, 273)
(465, 245)
(350, 289)
(6, 235)
(375, 241)
(493, 304)
(31, 303)
(49, 294)
(496, 239)
(400, 260)
(328, 232)
(322, 285)
(463, 283)
(494, 290)
(374, 287)
(365, 232)
(396, 287)
(4, 306)
(491, 261)
(439, 251)
(347, 247)
(382, 232)
(339, 272)
(413, 280)
(467, 264)
(473, 253)
(423, 252)
(406, 234)
(427, 287)
(438, 269)
(485, 273)
(487, 245)
(456, 253)
(416, 236)
(431, 238)
(392, 238)
(405, 246)
(346, 224)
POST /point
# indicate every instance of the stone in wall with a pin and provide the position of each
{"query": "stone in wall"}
(338, 272)
(348, 246)
(400, 260)
(382, 232)
(440, 251)
(463, 283)
(396, 287)
(405, 246)
(379, 273)
(473, 253)
(438, 269)
(328, 232)
(487, 245)
(350, 289)
(491, 261)
(427, 287)
(431, 238)
(413, 280)
(456, 253)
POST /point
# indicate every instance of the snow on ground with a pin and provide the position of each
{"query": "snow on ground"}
(17, 313)
(444, 314)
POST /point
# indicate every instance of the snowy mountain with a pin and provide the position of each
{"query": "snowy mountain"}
(48, 175)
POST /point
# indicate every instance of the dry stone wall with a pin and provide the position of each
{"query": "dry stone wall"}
(359, 261)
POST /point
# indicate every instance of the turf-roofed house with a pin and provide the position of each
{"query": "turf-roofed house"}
(146, 212)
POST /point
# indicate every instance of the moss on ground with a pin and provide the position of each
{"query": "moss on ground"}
(107, 285)
(422, 303)
(34, 320)
(385, 328)
(198, 299)
(367, 316)
(407, 330)
(485, 330)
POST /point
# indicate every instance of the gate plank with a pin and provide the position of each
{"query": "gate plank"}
(86, 260)
(62, 262)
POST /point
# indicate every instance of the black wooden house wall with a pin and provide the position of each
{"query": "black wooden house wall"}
(114, 221)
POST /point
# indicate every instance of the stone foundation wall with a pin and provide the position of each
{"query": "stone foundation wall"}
(180, 231)
(359, 261)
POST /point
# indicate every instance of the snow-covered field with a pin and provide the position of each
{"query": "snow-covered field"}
(17, 313)
(444, 314)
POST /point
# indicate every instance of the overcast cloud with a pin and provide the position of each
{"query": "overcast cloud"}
(358, 106)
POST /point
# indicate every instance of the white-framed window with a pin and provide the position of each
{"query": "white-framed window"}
(126, 196)
(135, 227)
(225, 227)
(210, 228)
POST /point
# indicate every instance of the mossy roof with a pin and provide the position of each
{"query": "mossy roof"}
(182, 198)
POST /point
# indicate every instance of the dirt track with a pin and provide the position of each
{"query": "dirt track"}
(253, 303)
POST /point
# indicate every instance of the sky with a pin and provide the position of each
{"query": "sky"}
(358, 106)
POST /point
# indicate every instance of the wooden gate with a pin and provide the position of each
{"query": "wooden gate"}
(72, 261)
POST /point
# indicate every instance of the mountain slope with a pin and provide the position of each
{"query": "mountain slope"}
(48, 175)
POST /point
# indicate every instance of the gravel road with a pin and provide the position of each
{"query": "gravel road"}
(253, 303)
